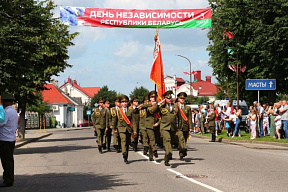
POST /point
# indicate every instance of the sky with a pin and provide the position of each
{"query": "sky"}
(122, 58)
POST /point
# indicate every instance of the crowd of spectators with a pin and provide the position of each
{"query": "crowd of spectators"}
(262, 120)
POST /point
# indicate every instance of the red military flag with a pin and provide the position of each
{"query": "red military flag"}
(157, 74)
(186, 73)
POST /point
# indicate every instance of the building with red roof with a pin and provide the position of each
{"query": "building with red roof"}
(204, 87)
(85, 94)
(67, 110)
(200, 88)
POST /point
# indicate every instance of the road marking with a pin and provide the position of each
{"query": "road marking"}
(194, 181)
(146, 157)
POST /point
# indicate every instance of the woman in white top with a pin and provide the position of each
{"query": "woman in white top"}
(253, 118)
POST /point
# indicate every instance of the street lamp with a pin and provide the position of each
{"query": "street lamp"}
(190, 78)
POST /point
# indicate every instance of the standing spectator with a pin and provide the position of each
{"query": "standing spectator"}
(284, 118)
(216, 120)
(197, 120)
(238, 113)
(7, 140)
(227, 120)
(2, 112)
(261, 111)
(253, 120)
(266, 119)
(219, 117)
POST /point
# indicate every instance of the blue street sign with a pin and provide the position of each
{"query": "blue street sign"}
(260, 84)
(88, 112)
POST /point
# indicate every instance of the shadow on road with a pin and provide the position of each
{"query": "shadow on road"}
(51, 149)
(67, 182)
(66, 139)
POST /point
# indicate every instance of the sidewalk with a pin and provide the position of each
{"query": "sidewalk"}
(253, 144)
(35, 134)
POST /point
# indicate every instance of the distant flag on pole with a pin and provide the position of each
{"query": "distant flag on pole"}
(194, 72)
(157, 74)
(232, 67)
(229, 34)
(243, 69)
(186, 73)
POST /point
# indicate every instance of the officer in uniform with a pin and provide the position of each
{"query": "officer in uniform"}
(108, 131)
(168, 124)
(211, 123)
(135, 122)
(125, 127)
(152, 119)
(184, 124)
(142, 127)
(100, 117)
(116, 137)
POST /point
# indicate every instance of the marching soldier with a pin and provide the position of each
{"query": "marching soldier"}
(152, 119)
(100, 117)
(116, 137)
(135, 122)
(168, 124)
(184, 124)
(142, 127)
(108, 131)
(125, 127)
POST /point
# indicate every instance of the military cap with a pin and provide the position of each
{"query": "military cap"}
(145, 99)
(100, 100)
(7, 97)
(152, 94)
(134, 99)
(117, 99)
(124, 98)
(168, 94)
(107, 101)
(182, 95)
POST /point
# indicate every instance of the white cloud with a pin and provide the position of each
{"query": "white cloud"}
(126, 50)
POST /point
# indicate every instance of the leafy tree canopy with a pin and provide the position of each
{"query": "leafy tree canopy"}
(259, 43)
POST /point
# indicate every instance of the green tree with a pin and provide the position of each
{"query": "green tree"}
(105, 93)
(259, 42)
(140, 93)
(33, 48)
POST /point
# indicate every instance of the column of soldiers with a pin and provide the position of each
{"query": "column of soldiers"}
(158, 124)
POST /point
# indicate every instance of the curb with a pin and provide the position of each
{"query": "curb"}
(20, 144)
(31, 140)
(251, 144)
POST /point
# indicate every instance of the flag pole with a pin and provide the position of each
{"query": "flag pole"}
(155, 39)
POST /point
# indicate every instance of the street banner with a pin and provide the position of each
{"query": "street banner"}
(157, 73)
(133, 18)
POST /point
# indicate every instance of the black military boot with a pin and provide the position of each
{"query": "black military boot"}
(145, 151)
(100, 149)
(166, 163)
(184, 152)
(181, 158)
(104, 146)
(169, 156)
(212, 139)
(155, 153)
(125, 157)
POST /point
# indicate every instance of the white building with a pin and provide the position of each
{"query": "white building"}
(85, 94)
(67, 110)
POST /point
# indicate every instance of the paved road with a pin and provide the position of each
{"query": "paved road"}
(69, 161)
